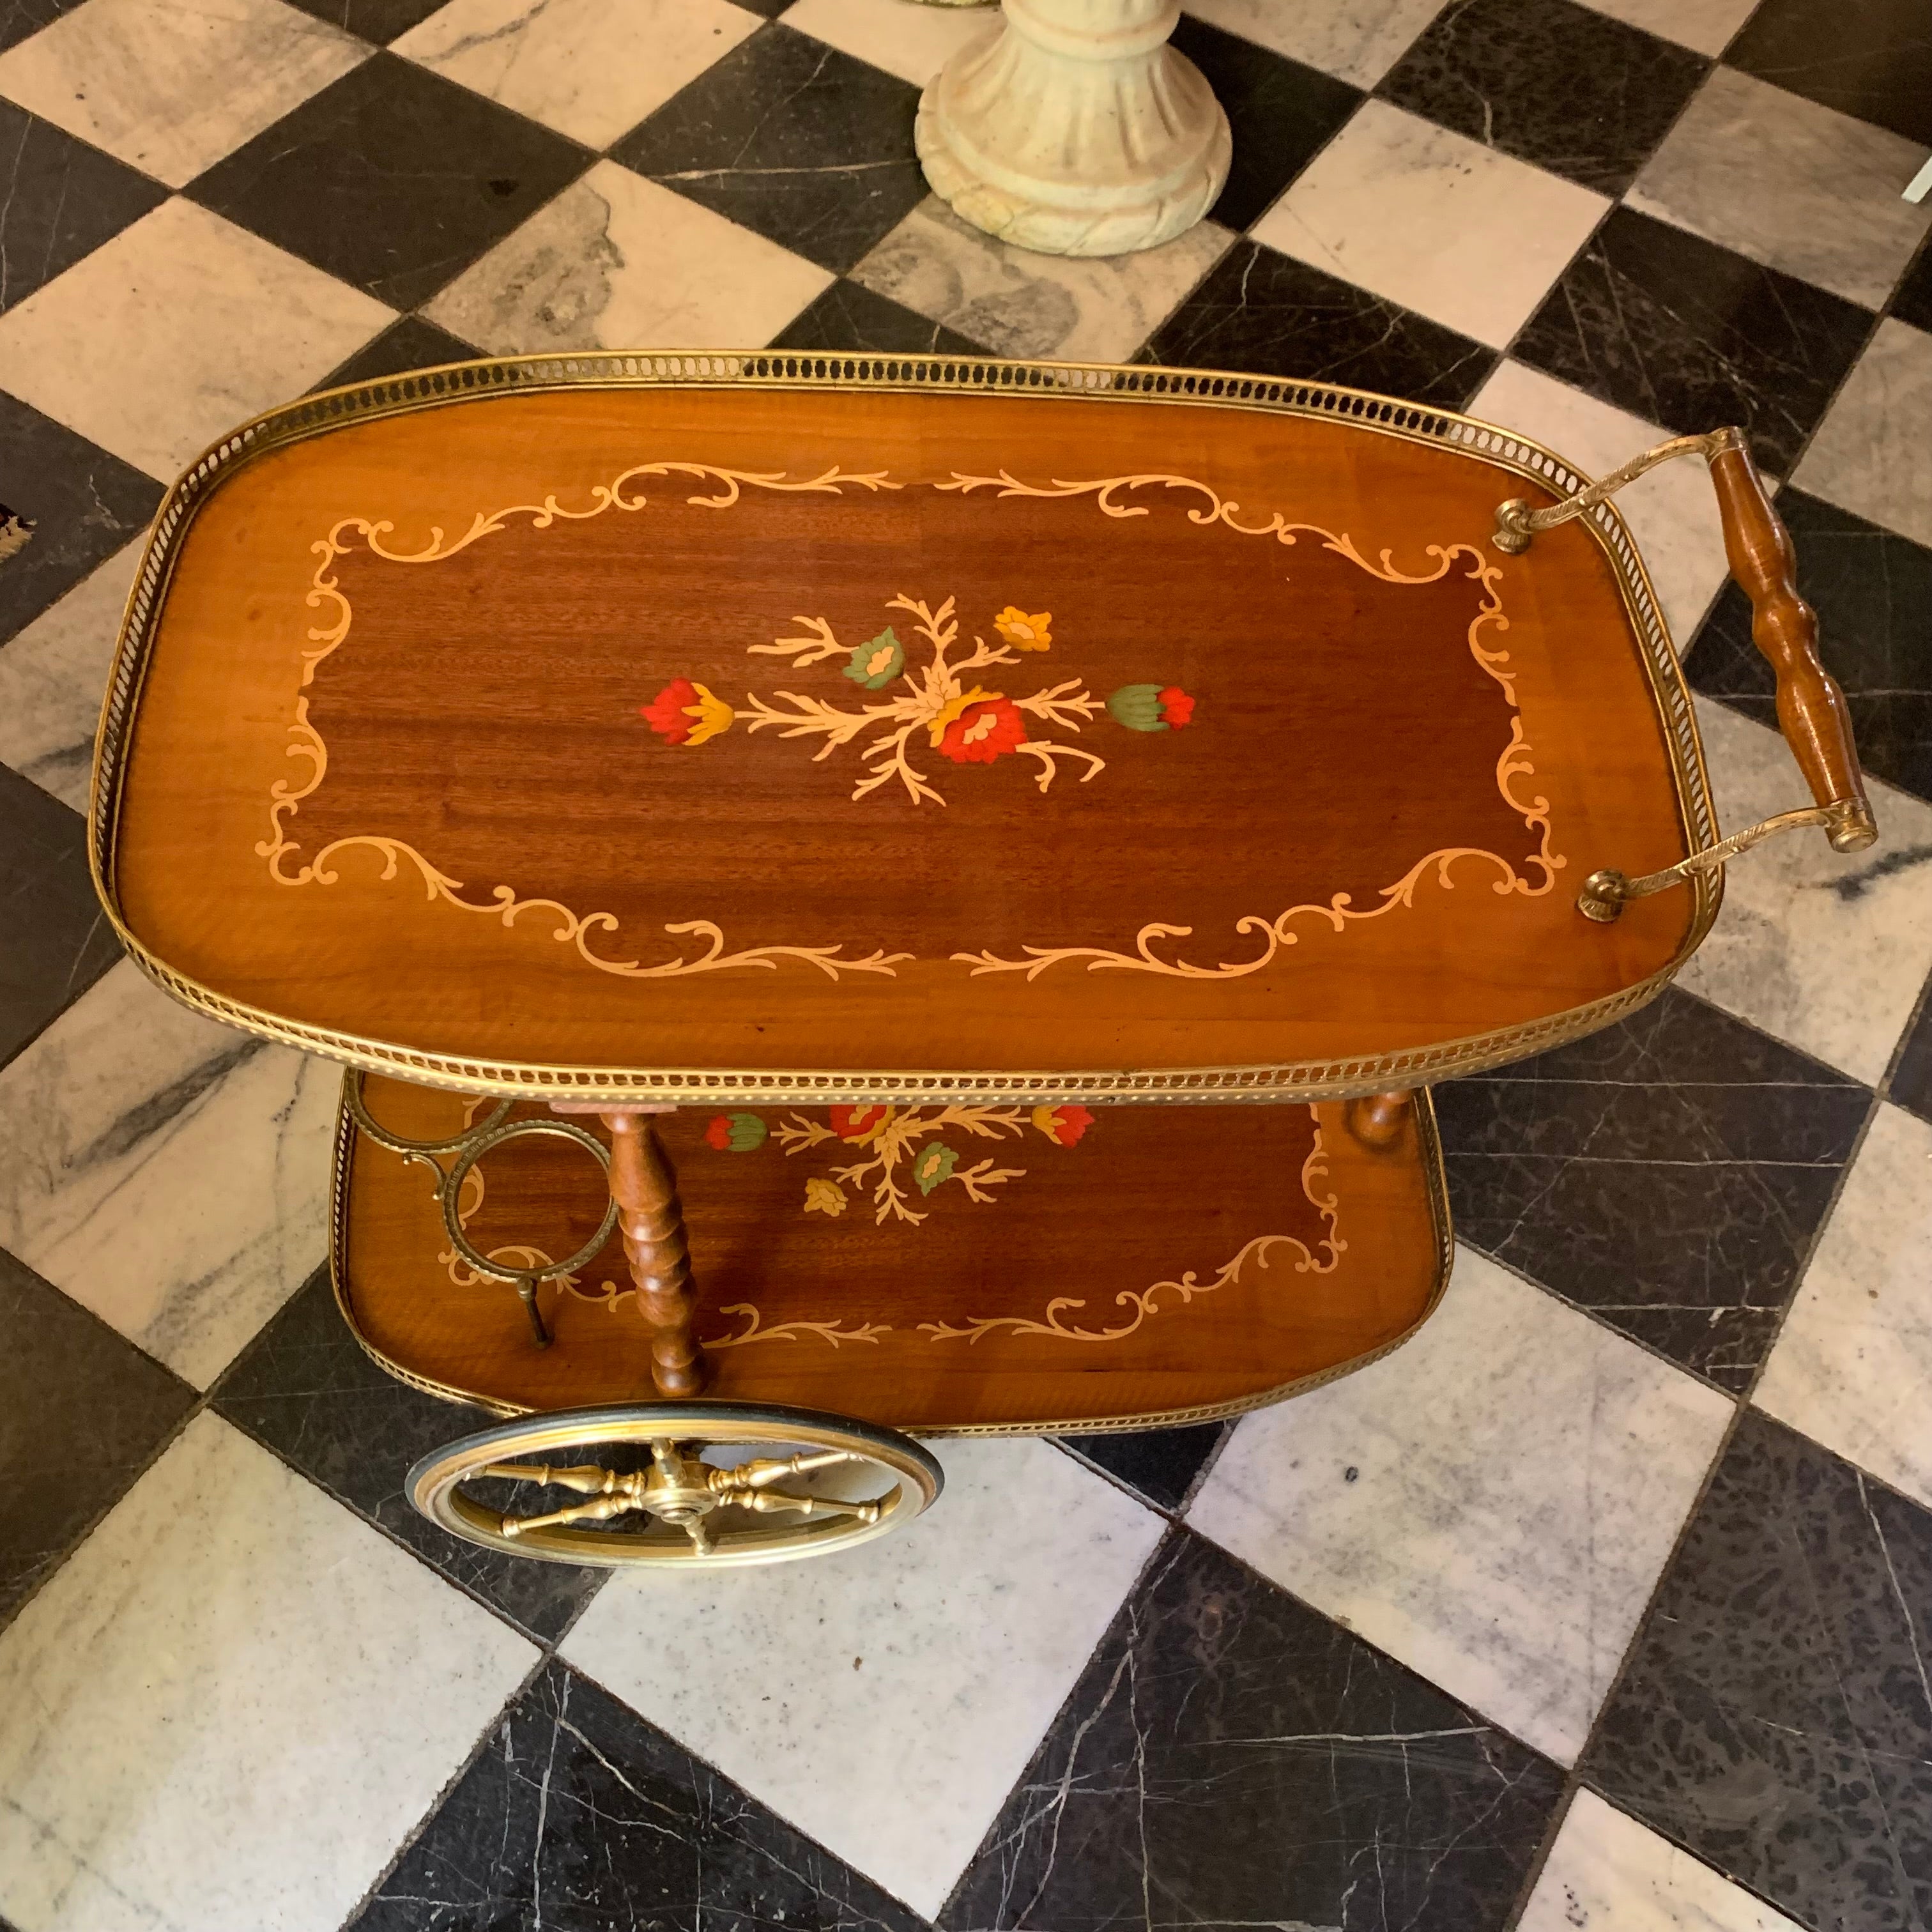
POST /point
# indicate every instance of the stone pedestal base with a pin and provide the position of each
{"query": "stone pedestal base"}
(1074, 129)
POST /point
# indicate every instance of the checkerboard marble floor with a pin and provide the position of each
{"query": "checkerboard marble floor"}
(1605, 1604)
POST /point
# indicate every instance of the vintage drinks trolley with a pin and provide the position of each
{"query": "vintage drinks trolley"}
(760, 829)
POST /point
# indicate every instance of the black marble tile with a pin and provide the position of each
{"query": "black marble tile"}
(788, 137)
(1259, 311)
(1161, 1465)
(848, 316)
(1911, 1082)
(381, 21)
(57, 939)
(59, 200)
(1774, 1716)
(1281, 114)
(84, 505)
(1668, 1174)
(576, 1814)
(410, 344)
(393, 178)
(1679, 331)
(1569, 89)
(1872, 592)
(305, 1388)
(1911, 300)
(1230, 1757)
(82, 1412)
(20, 18)
(1872, 58)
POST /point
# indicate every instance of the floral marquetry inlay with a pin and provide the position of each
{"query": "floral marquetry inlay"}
(961, 718)
(930, 700)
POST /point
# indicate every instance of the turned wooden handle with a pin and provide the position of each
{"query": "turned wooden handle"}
(1811, 707)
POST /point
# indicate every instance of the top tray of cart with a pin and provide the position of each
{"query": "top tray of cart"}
(656, 728)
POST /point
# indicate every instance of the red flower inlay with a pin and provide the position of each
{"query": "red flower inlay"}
(1068, 1123)
(1177, 708)
(665, 712)
(983, 732)
(718, 1133)
(859, 1123)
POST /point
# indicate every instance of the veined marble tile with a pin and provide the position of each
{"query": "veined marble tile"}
(169, 1173)
(1434, 221)
(1854, 1358)
(1796, 186)
(577, 1815)
(1358, 40)
(181, 327)
(886, 1702)
(913, 42)
(615, 261)
(227, 1708)
(592, 69)
(1823, 949)
(1705, 24)
(1021, 304)
(1231, 1758)
(1607, 1873)
(1871, 455)
(1673, 512)
(171, 88)
(1774, 1713)
(51, 678)
(1492, 1504)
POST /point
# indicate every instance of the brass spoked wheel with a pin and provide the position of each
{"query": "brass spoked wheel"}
(698, 1484)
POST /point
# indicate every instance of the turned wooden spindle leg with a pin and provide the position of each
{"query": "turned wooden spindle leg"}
(1375, 1119)
(643, 1183)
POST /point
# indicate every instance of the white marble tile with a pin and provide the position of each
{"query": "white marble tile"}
(615, 261)
(1493, 1503)
(169, 1173)
(228, 1707)
(1853, 1361)
(1825, 950)
(1672, 511)
(593, 69)
(1607, 1873)
(1359, 39)
(1871, 455)
(1705, 24)
(887, 1702)
(1460, 232)
(177, 330)
(911, 40)
(1017, 303)
(51, 678)
(170, 87)
(1790, 183)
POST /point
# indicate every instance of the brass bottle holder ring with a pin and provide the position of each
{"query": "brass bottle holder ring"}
(470, 1147)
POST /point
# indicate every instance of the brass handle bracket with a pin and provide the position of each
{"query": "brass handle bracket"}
(1605, 893)
(1516, 522)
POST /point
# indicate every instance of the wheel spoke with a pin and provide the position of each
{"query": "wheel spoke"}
(586, 1478)
(602, 1510)
(762, 1500)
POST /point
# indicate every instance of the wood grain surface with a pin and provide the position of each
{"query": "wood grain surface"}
(484, 849)
(1124, 1263)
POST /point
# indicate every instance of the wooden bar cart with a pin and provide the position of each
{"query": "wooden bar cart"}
(765, 833)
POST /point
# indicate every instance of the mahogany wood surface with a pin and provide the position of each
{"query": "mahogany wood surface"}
(392, 773)
(1811, 710)
(1125, 1263)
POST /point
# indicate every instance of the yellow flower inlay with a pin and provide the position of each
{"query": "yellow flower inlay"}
(712, 713)
(954, 707)
(825, 1197)
(1024, 631)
